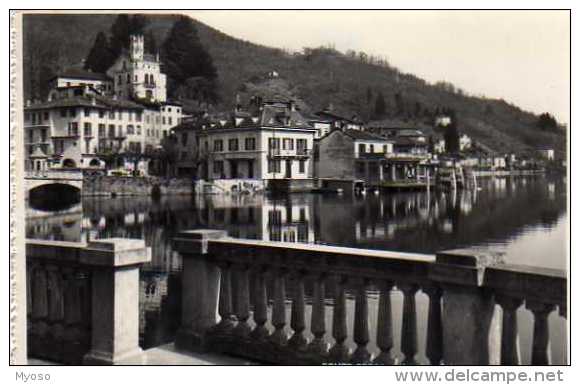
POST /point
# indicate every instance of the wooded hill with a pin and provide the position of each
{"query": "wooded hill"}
(317, 77)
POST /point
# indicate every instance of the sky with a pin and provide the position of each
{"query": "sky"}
(520, 56)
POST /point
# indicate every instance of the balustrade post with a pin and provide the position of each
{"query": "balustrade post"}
(200, 288)
(242, 303)
(434, 348)
(385, 325)
(409, 325)
(361, 354)
(317, 323)
(115, 299)
(510, 350)
(297, 321)
(541, 354)
(470, 319)
(225, 309)
(279, 337)
(260, 332)
(339, 352)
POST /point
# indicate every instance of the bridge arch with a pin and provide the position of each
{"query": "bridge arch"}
(69, 163)
(54, 196)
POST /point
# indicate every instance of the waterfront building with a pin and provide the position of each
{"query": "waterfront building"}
(464, 142)
(547, 153)
(88, 117)
(267, 146)
(411, 142)
(352, 154)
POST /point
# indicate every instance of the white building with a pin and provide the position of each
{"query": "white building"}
(274, 143)
(464, 142)
(86, 117)
(547, 153)
(137, 75)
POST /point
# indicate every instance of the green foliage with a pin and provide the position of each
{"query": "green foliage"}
(380, 106)
(451, 134)
(547, 122)
(185, 58)
(100, 57)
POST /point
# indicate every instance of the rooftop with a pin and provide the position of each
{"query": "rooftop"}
(79, 73)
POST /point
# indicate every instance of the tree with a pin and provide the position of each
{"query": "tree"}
(123, 27)
(380, 106)
(451, 135)
(100, 57)
(150, 43)
(399, 104)
(547, 122)
(185, 57)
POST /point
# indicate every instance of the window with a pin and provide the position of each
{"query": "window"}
(101, 114)
(88, 130)
(120, 79)
(139, 116)
(73, 129)
(233, 144)
(361, 148)
(46, 115)
(288, 144)
(138, 130)
(120, 130)
(112, 114)
(130, 115)
(301, 166)
(146, 118)
(250, 144)
(128, 79)
(102, 132)
(130, 129)
(372, 148)
(87, 112)
(170, 121)
(111, 130)
(164, 120)
(273, 143)
(218, 145)
(218, 168)
(273, 166)
(169, 109)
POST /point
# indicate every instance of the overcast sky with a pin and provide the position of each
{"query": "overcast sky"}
(521, 56)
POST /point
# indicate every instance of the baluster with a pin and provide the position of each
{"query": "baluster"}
(242, 329)
(361, 325)
(260, 332)
(39, 294)
(226, 323)
(541, 346)
(317, 323)
(409, 328)
(297, 322)
(339, 352)
(510, 351)
(55, 298)
(563, 310)
(29, 279)
(279, 337)
(434, 348)
(385, 325)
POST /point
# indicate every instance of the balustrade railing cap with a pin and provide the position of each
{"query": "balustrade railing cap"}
(202, 234)
(462, 266)
(115, 252)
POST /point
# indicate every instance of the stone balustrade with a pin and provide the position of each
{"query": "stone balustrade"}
(236, 293)
(83, 300)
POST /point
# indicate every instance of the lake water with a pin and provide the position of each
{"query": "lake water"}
(523, 220)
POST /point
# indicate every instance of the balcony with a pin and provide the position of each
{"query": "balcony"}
(281, 153)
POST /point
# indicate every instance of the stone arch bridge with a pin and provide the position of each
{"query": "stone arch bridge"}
(53, 181)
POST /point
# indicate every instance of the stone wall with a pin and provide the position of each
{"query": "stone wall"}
(121, 185)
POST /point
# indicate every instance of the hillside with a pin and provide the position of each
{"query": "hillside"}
(315, 77)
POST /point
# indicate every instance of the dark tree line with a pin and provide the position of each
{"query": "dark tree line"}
(547, 122)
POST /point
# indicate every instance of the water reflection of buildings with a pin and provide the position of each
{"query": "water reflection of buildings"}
(286, 220)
